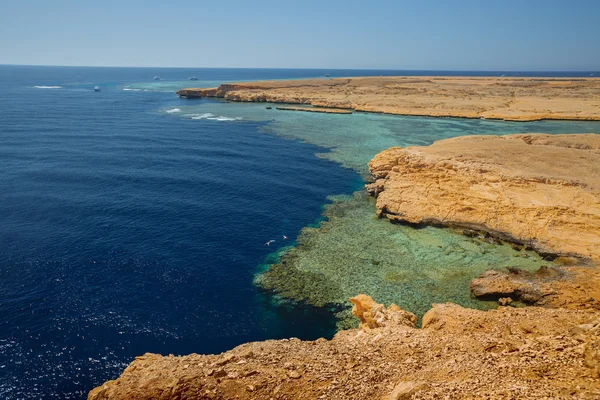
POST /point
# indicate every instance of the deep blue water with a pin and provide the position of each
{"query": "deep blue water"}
(125, 231)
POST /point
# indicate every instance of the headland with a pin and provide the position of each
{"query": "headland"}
(504, 98)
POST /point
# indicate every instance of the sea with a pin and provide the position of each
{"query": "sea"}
(132, 221)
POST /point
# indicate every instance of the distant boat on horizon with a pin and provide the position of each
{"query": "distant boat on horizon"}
(157, 78)
(96, 88)
(326, 75)
(192, 78)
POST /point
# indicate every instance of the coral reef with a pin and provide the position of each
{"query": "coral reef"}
(353, 251)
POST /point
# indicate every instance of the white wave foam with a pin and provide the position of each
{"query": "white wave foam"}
(174, 110)
(221, 118)
(212, 117)
(202, 116)
(132, 90)
(48, 87)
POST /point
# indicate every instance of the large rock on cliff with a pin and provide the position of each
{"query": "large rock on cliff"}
(540, 190)
(459, 353)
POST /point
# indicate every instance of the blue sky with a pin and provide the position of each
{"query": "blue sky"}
(420, 34)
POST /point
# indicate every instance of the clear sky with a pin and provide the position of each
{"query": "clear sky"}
(497, 35)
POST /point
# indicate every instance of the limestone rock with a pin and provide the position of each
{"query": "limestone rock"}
(515, 99)
(550, 203)
(374, 315)
(527, 287)
(405, 390)
(460, 353)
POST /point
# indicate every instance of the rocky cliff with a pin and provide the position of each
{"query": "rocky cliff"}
(537, 191)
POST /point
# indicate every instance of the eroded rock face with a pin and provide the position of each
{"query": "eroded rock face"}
(537, 352)
(516, 284)
(540, 190)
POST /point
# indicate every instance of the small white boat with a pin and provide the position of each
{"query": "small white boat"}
(157, 78)
(193, 78)
(96, 88)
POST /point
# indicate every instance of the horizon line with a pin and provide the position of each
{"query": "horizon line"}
(309, 68)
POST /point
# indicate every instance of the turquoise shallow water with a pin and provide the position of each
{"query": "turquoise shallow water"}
(354, 252)
(351, 251)
(354, 139)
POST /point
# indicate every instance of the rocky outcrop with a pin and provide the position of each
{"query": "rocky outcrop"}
(514, 99)
(536, 191)
(516, 284)
(374, 315)
(317, 110)
(542, 191)
(459, 353)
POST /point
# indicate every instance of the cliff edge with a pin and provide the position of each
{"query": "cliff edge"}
(458, 354)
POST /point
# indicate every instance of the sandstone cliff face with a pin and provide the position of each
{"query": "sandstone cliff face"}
(514, 99)
(543, 190)
(458, 354)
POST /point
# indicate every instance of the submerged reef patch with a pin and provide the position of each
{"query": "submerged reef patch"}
(353, 251)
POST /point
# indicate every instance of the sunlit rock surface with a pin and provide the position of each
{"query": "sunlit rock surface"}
(459, 353)
(514, 99)
(541, 191)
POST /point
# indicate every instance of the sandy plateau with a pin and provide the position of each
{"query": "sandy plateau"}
(511, 99)
(533, 191)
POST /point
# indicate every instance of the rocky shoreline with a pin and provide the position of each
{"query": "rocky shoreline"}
(540, 191)
(509, 99)
(316, 109)
(458, 354)
(537, 191)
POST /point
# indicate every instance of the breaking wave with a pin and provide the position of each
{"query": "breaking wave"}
(201, 116)
(48, 87)
(174, 110)
(212, 117)
(224, 118)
